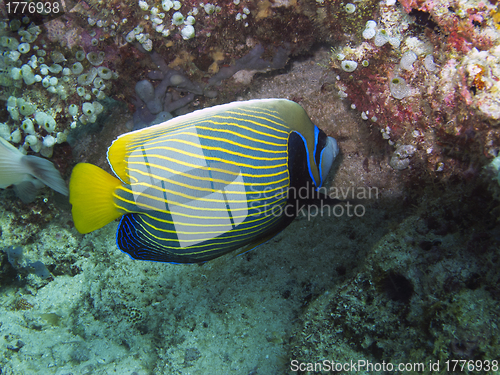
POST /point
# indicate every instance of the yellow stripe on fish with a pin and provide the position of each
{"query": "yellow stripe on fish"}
(201, 185)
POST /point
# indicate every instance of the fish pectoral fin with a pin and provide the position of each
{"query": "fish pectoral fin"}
(266, 237)
(255, 244)
(28, 189)
(46, 172)
(91, 195)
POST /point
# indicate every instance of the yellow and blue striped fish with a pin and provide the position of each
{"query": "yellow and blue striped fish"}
(201, 185)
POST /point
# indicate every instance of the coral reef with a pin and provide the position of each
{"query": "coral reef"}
(428, 78)
(48, 90)
(424, 73)
(447, 314)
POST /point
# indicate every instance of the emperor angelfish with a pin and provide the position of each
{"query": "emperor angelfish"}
(201, 185)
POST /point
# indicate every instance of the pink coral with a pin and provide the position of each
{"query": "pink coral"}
(425, 6)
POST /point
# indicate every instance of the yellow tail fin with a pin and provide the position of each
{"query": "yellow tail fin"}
(91, 194)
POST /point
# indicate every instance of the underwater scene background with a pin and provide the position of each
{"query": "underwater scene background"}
(407, 274)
